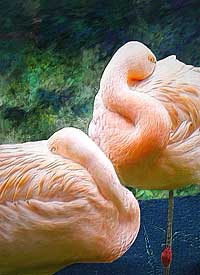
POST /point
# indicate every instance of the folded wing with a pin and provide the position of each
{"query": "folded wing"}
(177, 87)
(30, 170)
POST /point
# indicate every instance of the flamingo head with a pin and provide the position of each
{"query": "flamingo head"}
(71, 143)
(135, 60)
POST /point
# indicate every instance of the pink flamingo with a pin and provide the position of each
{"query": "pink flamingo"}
(146, 119)
(61, 202)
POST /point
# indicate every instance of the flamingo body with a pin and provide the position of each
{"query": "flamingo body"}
(54, 210)
(146, 119)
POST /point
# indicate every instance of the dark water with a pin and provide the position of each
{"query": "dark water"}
(143, 258)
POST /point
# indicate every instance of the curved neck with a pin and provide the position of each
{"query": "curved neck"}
(104, 175)
(82, 150)
(90, 156)
(148, 117)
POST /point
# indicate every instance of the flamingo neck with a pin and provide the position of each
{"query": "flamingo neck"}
(109, 184)
(86, 153)
(104, 175)
(149, 120)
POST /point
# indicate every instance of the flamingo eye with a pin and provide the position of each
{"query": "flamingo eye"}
(53, 149)
(152, 59)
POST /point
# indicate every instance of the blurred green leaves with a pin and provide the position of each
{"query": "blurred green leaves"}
(163, 194)
(45, 90)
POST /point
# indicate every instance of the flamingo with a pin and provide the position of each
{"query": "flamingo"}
(146, 119)
(61, 202)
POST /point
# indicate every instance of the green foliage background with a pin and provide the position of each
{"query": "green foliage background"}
(52, 54)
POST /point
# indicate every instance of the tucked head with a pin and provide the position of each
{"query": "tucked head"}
(136, 60)
(69, 142)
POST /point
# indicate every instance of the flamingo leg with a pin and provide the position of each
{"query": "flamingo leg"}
(166, 256)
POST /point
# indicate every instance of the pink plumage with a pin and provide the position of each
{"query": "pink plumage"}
(60, 203)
